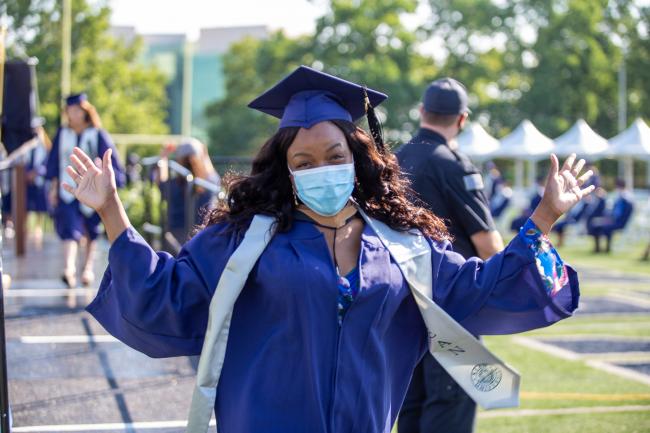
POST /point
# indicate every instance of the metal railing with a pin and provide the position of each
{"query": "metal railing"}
(168, 171)
(15, 162)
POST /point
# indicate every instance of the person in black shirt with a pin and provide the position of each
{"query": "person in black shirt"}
(449, 184)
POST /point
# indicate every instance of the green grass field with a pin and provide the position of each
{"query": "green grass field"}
(552, 383)
(623, 260)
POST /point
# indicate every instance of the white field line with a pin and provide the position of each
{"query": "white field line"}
(145, 425)
(547, 348)
(152, 425)
(572, 356)
(619, 371)
(586, 314)
(637, 357)
(577, 327)
(36, 283)
(46, 293)
(628, 298)
(563, 411)
(62, 339)
(594, 337)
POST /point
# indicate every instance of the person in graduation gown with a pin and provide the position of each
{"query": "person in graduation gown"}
(615, 219)
(35, 170)
(535, 199)
(325, 333)
(193, 155)
(73, 220)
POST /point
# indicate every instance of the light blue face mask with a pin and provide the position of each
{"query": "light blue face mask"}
(325, 190)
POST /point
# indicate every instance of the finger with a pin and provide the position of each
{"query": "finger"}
(582, 179)
(569, 162)
(68, 188)
(585, 192)
(107, 165)
(578, 167)
(555, 165)
(85, 159)
(73, 174)
(78, 165)
(98, 163)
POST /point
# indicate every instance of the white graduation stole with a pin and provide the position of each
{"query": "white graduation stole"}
(487, 379)
(67, 142)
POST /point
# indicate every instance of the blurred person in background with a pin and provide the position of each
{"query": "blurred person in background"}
(36, 190)
(193, 155)
(493, 179)
(37, 186)
(133, 169)
(498, 191)
(535, 198)
(446, 182)
(72, 220)
(586, 211)
(614, 219)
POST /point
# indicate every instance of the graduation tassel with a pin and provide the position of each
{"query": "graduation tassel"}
(373, 122)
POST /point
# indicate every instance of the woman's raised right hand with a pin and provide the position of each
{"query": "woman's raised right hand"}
(94, 181)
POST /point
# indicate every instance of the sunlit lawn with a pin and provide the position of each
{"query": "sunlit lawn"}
(552, 383)
(624, 258)
(549, 382)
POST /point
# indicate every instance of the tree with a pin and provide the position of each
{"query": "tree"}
(550, 61)
(128, 96)
(251, 66)
(364, 41)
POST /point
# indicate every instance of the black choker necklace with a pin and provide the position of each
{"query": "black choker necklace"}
(304, 217)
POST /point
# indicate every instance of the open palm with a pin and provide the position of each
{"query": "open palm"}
(563, 186)
(95, 181)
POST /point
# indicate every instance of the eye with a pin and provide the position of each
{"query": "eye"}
(303, 166)
(337, 157)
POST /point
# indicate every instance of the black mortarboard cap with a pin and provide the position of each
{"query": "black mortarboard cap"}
(306, 97)
(75, 99)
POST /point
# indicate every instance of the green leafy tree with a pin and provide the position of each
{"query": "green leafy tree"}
(129, 97)
(550, 61)
(250, 67)
(364, 41)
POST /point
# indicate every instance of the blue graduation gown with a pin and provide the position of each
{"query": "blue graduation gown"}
(69, 222)
(288, 365)
(37, 189)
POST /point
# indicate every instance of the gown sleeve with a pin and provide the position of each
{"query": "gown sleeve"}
(525, 286)
(52, 164)
(158, 304)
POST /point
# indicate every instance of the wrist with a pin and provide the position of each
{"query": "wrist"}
(111, 207)
(543, 219)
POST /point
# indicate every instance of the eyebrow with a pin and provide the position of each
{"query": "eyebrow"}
(308, 155)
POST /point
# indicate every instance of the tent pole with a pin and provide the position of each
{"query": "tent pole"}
(519, 174)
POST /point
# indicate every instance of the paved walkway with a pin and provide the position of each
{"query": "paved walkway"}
(66, 373)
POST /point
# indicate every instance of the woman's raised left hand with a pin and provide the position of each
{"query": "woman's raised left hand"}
(562, 191)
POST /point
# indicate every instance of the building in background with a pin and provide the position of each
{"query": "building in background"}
(197, 66)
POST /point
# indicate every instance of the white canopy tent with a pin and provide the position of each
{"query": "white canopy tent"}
(634, 142)
(525, 142)
(581, 140)
(476, 142)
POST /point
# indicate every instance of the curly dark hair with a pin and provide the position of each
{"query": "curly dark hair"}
(381, 191)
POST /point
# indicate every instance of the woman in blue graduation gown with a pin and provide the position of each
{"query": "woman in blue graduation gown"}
(73, 220)
(325, 333)
(35, 170)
